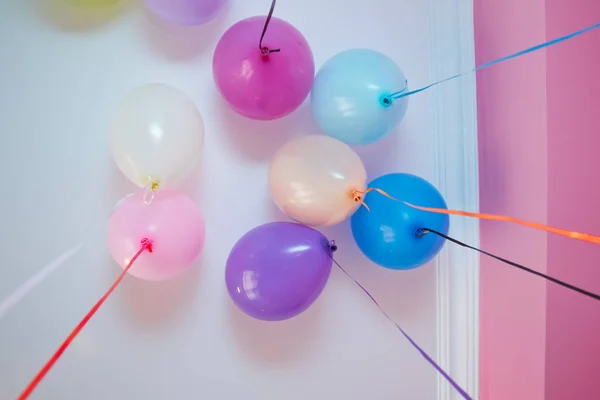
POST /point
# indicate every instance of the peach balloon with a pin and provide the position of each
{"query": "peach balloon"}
(172, 221)
(312, 179)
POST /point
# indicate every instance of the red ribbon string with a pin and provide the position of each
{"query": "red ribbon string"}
(146, 245)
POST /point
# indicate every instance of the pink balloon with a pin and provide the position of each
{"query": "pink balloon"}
(258, 85)
(172, 221)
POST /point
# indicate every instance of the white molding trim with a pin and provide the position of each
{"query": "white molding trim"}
(454, 127)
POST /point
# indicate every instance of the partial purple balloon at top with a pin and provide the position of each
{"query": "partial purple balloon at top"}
(186, 12)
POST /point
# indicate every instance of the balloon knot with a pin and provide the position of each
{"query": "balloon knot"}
(332, 246)
(386, 100)
(147, 244)
(420, 232)
(358, 196)
(265, 51)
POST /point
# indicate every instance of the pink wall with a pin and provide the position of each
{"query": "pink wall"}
(512, 162)
(539, 122)
(573, 89)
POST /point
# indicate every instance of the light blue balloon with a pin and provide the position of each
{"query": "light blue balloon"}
(387, 234)
(350, 96)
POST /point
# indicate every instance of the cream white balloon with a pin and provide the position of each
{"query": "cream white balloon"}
(156, 135)
(312, 180)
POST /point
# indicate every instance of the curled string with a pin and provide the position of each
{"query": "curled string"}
(264, 49)
(423, 231)
(423, 353)
(585, 237)
(400, 94)
(146, 244)
(387, 100)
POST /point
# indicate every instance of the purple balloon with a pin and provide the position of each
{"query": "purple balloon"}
(277, 270)
(185, 12)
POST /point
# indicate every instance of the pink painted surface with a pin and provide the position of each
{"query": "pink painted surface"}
(512, 161)
(573, 90)
(539, 135)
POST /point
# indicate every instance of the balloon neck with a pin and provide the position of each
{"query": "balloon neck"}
(151, 187)
(332, 246)
(359, 196)
(386, 100)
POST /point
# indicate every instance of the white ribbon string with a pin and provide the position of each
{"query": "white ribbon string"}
(22, 291)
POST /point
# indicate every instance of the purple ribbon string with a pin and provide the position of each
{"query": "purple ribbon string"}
(414, 344)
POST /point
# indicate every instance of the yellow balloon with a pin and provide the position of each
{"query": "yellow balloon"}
(312, 180)
(92, 3)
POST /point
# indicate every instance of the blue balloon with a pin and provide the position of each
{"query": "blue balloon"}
(387, 234)
(351, 99)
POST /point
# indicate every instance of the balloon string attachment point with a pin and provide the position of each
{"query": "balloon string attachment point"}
(386, 101)
(420, 232)
(147, 244)
(358, 196)
(332, 246)
(265, 51)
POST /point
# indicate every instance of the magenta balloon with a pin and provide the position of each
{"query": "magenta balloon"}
(185, 12)
(259, 86)
(277, 270)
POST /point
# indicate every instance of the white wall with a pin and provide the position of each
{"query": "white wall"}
(59, 80)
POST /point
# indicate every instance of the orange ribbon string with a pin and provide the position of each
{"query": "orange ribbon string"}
(357, 195)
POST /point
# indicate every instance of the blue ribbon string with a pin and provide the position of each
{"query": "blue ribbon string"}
(402, 93)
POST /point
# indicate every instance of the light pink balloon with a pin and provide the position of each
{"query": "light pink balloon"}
(312, 180)
(263, 86)
(172, 221)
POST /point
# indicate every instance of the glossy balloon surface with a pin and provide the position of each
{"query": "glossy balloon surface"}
(174, 224)
(277, 270)
(349, 92)
(259, 86)
(387, 233)
(311, 180)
